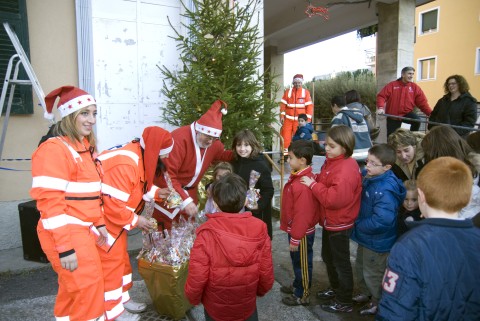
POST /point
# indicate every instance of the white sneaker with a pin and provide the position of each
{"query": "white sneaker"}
(127, 316)
(134, 307)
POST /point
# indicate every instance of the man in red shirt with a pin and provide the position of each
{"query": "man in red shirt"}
(400, 97)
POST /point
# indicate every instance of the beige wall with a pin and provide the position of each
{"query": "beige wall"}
(454, 45)
(52, 36)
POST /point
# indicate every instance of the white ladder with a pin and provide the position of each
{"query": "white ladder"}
(20, 58)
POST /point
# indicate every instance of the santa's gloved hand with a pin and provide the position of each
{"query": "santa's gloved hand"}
(150, 195)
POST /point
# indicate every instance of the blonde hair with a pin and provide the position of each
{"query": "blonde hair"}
(446, 183)
(67, 127)
(410, 185)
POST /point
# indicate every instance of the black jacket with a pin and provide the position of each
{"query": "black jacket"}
(461, 112)
(243, 167)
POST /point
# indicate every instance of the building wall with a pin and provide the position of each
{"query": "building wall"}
(52, 36)
(454, 45)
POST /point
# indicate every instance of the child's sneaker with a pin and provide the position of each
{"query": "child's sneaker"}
(287, 289)
(361, 298)
(292, 300)
(337, 307)
(326, 294)
(369, 309)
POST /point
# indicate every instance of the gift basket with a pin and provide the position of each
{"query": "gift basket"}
(163, 264)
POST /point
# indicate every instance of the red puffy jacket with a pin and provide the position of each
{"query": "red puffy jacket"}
(230, 265)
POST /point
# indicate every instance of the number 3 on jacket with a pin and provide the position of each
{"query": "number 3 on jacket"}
(390, 281)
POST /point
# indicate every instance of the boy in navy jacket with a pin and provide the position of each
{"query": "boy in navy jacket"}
(432, 271)
(304, 130)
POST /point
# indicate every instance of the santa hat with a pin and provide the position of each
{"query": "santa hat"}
(155, 142)
(211, 122)
(298, 77)
(71, 100)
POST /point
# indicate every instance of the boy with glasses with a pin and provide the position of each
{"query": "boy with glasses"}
(375, 229)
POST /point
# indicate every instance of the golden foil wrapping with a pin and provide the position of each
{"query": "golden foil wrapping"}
(166, 283)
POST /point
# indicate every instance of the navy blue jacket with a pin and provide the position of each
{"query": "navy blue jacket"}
(433, 273)
(304, 132)
(376, 224)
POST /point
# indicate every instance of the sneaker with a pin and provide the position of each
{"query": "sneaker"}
(287, 289)
(134, 307)
(127, 316)
(337, 307)
(361, 298)
(326, 294)
(292, 300)
(369, 309)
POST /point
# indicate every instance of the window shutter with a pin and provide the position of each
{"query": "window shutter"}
(15, 13)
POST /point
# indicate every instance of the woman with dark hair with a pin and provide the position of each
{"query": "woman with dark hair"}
(444, 141)
(457, 106)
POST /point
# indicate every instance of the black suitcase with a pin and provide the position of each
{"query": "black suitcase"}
(29, 216)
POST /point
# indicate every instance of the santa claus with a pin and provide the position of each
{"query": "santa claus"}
(196, 147)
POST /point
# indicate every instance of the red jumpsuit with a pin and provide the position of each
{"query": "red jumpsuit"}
(66, 185)
(122, 188)
(186, 165)
(295, 101)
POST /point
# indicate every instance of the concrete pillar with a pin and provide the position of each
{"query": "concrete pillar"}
(395, 40)
(274, 62)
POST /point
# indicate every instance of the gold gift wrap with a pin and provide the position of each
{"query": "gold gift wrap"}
(166, 283)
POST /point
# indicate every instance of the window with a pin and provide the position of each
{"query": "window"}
(428, 21)
(427, 68)
(15, 13)
(477, 61)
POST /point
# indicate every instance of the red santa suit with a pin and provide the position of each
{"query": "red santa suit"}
(188, 162)
(124, 183)
(66, 185)
(295, 101)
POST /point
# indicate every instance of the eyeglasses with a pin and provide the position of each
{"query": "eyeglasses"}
(451, 83)
(369, 162)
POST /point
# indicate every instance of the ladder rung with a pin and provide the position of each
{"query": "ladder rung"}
(20, 82)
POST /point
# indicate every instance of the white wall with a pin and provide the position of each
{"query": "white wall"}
(130, 38)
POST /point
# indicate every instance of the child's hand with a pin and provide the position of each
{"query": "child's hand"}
(293, 248)
(307, 180)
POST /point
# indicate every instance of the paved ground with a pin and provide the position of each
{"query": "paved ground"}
(27, 289)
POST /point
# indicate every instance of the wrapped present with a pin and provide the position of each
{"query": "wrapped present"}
(165, 284)
(253, 194)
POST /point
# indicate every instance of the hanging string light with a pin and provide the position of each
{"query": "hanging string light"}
(316, 11)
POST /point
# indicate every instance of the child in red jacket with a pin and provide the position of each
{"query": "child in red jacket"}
(338, 188)
(231, 259)
(299, 217)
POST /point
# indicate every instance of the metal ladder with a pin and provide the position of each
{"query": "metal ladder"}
(20, 58)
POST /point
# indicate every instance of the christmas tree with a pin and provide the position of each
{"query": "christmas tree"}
(221, 59)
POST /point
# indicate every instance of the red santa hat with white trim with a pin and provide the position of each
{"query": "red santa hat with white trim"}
(211, 122)
(298, 77)
(155, 142)
(71, 100)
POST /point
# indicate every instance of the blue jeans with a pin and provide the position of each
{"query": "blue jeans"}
(302, 262)
(336, 255)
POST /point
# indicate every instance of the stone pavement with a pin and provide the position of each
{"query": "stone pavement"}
(27, 289)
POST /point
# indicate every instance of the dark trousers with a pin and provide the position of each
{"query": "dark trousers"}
(253, 317)
(393, 124)
(336, 255)
(302, 262)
